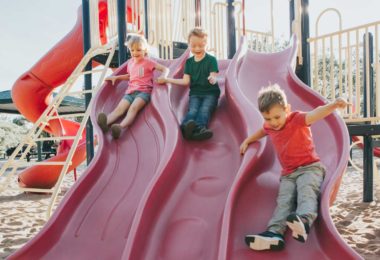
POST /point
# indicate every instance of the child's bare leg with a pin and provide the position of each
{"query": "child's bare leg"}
(133, 110)
(118, 111)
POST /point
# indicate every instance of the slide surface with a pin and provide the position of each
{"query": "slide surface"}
(153, 195)
(252, 198)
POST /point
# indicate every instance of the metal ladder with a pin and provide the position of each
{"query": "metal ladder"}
(51, 112)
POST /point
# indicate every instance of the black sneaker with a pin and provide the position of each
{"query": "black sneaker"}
(115, 131)
(202, 134)
(102, 122)
(299, 226)
(265, 241)
(188, 129)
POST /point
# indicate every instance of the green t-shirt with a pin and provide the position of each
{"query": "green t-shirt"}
(199, 71)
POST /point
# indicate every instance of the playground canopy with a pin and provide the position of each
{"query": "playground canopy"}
(70, 105)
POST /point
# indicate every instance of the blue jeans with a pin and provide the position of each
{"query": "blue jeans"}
(200, 109)
(132, 96)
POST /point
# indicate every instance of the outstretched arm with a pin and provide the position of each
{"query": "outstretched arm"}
(253, 138)
(185, 81)
(323, 111)
(119, 77)
(164, 73)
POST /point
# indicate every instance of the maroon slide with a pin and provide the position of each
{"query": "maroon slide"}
(252, 197)
(153, 195)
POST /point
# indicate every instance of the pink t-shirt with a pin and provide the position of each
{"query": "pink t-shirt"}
(140, 75)
(294, 143)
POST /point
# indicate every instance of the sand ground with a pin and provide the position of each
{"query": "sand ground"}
(23, 214)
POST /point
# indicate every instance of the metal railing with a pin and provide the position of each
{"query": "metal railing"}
(346, 63)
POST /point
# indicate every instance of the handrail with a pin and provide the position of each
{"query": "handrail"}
(80, 130)
(51, 113)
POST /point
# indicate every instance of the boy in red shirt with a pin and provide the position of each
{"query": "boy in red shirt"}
(302, 173)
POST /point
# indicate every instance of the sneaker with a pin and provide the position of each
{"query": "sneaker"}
(188, 129)
(265, 241)
(299, 226)
(115, 131)
(202, 134)
(102, 122)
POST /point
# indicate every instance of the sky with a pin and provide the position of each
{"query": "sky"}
(30, 28)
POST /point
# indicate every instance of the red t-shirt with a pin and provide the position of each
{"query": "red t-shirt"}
(294, 143)
(140, 75)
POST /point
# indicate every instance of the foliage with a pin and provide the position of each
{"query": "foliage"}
(10, 135)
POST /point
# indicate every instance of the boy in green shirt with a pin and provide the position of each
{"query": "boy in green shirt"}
(200, 71)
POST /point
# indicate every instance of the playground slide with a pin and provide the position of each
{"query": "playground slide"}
(210, 198)
(32, 92)
(95, 217)
(252, 197)
(153, 195)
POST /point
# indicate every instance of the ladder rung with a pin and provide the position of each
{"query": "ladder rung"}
(67, 115)
(54, 138)
(91, 71)
(88, 91)
(26, 164)
(37, 190)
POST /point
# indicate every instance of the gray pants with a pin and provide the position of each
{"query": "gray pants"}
(299, 192)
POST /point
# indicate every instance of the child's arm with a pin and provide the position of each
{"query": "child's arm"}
(164, 73)
(253, 138)
(119, 77)
(184, 81)
(323, 111)
(212, 77)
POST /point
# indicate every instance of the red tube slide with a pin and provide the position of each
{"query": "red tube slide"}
(32, 92)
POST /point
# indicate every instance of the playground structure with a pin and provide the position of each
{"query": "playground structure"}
(145, 183)
(346, 63)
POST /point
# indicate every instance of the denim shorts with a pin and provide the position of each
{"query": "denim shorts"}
(132, 96)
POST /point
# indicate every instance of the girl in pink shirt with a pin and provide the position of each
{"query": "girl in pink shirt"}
(140, 75)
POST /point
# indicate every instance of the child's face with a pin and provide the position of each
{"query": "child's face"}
(276, 116)
(137, 51)
(197, 45)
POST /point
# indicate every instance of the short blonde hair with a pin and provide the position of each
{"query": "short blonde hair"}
(137, 39)
(198, 32)
(270, 96)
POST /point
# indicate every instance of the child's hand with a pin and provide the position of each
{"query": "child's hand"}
(161, 80)
(212, 79)
(340, 103)
(112, 79)
(244, 147)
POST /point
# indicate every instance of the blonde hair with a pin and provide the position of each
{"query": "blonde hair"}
(137, 39)
(270, 96)
(198, 32)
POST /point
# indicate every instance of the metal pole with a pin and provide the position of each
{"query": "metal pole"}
(146, 19)
(291, 16)
(87, 78)
(39, 151)
(367, 169)
(231, 48)
(368, 60)
(198, 13)
(304, 71)
(121, 30)
(243, 12)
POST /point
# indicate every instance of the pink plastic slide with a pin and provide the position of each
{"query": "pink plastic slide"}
(153, 195)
